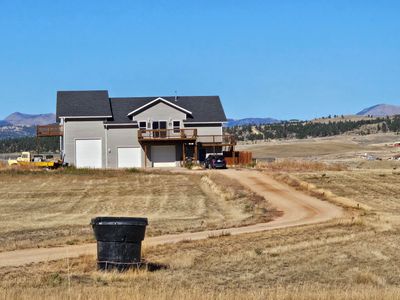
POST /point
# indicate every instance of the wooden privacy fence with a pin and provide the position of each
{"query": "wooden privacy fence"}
(238, 158)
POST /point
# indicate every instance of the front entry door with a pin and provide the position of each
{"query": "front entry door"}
(163, 127)
(159, 128)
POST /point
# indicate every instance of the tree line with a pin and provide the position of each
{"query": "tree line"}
(301, 130)
(42, 145)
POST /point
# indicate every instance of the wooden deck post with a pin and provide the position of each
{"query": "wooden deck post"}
(145, 156)
(183, 152)
(195, 152)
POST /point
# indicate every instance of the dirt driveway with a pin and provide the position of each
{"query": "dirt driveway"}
(297, 209)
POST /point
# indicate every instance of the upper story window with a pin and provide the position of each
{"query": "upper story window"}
(177, 126)
(142, 124)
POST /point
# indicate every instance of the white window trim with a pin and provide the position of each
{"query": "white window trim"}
(173, 127)
(162, 100)
(145, 127)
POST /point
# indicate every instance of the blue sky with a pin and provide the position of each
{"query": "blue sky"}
(282, 59)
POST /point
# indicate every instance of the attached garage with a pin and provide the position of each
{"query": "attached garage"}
(88, 153)
(163, 156)
(130, 157)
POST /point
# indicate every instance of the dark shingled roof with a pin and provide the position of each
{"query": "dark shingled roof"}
(97, 103)
(83, 104)
(203, 108)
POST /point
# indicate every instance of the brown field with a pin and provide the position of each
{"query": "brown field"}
(355, 257)
(39, 209)
(350, 258)
(342, 149)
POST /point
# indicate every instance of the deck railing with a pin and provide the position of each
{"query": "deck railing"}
(49, 130)
(184, 134)
(167, 134)
(225, 139)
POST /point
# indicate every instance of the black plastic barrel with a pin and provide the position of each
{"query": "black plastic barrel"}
(119, 241)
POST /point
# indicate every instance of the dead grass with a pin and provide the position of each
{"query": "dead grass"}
(346, 260)
(345, 149)
(320, 193)
(288, 165)
(355, 257)
(3, 165)
(301, 292)
(41, 208)
(379, 189)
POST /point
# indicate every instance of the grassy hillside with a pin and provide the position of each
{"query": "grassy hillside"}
(317, 128)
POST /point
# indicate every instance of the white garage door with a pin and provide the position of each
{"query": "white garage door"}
(163, 156)
(129, 157)
(88, 153)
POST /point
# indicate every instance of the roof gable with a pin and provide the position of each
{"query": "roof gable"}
(97, 104)
(156, 101)
(205, 109)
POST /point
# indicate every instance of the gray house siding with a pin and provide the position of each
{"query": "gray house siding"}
(121, 138)
(75, 130)
(160, 112)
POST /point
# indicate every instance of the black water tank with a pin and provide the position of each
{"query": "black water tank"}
(119, 241)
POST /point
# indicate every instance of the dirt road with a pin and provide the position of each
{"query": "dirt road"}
(297, 208)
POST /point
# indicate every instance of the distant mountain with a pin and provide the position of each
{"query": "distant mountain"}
(251, 121)
(19, 125)
(380, 110)
(16, 131)
(20, 119)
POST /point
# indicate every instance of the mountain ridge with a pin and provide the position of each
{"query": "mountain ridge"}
(251, 121)
(22, 119)
(380, 110)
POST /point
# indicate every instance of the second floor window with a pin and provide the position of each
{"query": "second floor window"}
(177, 126)
(142, 125)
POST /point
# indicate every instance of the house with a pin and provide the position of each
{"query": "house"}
(97, 131)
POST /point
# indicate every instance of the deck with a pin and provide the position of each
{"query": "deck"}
(161, 135)
(185, 135)
(49, 130)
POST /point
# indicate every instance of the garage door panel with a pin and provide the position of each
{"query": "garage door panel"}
(88, 153)
(163, 156)
(130, 157)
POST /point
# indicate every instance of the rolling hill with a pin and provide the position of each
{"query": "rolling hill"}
(380, 110)
(251, 121)
(18, 118)
(18, 125)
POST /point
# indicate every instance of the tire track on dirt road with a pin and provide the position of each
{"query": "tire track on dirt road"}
(298, 209)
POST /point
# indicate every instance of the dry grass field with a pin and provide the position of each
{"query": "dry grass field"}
(40, 208)
(355, 257)
(343, 149)
(348, 258)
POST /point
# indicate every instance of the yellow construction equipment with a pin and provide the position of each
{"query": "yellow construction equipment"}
(35, 160)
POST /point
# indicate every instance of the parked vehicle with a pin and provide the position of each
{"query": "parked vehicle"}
(36, 160)
(215, 162)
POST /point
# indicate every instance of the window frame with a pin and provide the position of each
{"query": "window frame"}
(142, 127)
(176, 129)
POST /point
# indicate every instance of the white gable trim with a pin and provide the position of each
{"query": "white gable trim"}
(162, 100)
